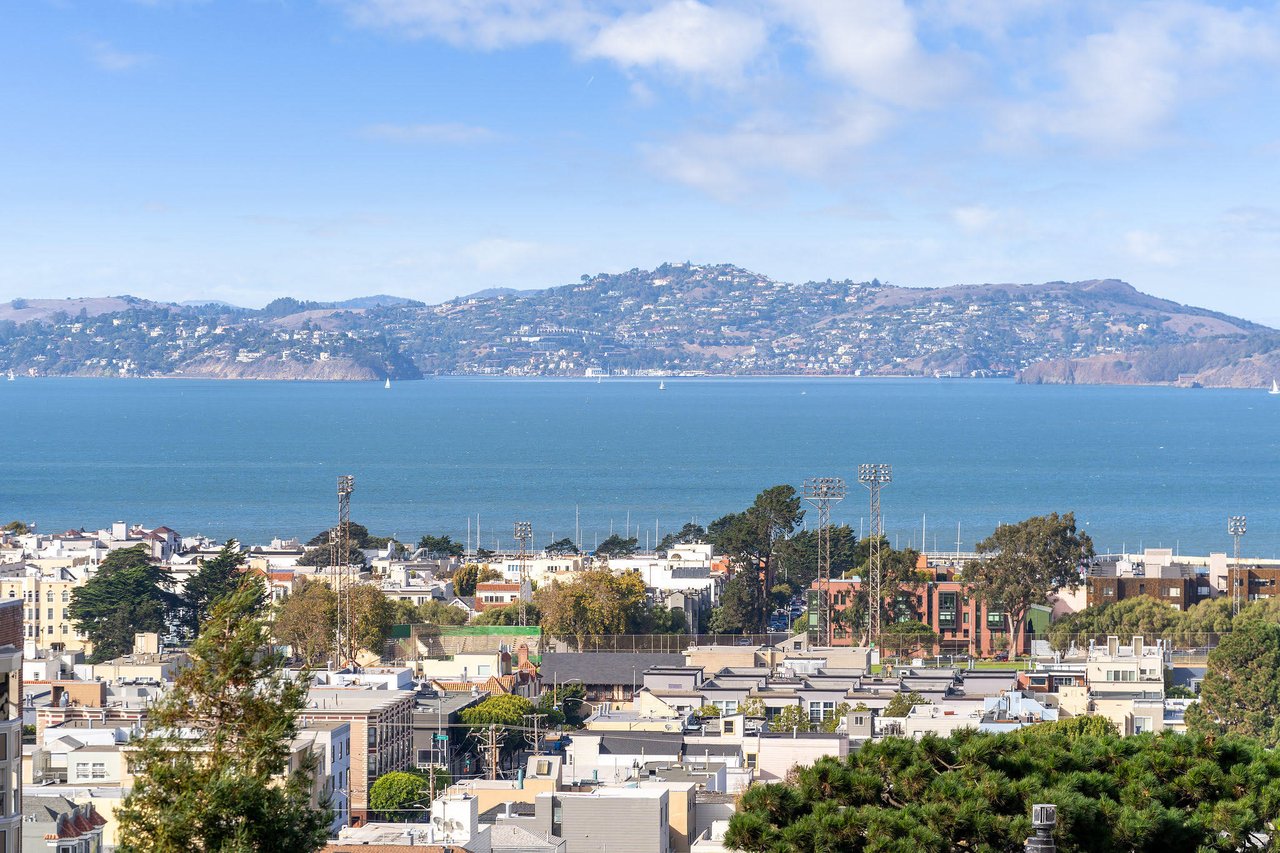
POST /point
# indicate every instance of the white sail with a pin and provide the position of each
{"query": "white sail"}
(1275, 387)
(387, 384)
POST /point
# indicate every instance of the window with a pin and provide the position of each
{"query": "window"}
(727, 727)
(82, 768)
(819, 711)
(995, 620)
(483, 669)
(1174, 592)
(66, 596)
(1108, 592)
(947, 610)
(4, 746)
(99, 770)
(51, 614)
(48, 596)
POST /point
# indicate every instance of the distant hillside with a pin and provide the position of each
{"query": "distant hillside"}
(680, 318)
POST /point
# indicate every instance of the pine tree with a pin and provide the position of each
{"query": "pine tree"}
(129, 593)
(215, 578)
(211, 772)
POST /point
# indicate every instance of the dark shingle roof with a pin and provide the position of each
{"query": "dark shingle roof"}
(602, 667)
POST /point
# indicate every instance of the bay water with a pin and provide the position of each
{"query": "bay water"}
(1140, 466)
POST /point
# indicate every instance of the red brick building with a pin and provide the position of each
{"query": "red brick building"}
(963, 624)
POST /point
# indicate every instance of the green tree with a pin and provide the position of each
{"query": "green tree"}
(128, 594)
(466, 578)
(685, 535)
(1029, 561)
(900, 638)
(974, 791)
(211, 773)
(707, 712)
(831, 723)
(739, 605)
(902, 703)
(438, 613)
(616, 546)
(373, 616)
(504, 710)
(215, 578)
(402, 796)
(750, 539)
(1240, 693)
(591, 603)
(18, 528)
(792, 718)
(562, 547)
(306, 621)
(752, 706)
(508, 615)
(441, 546)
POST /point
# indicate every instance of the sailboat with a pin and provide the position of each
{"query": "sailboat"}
(1275, 386)
(387, 384)
(662, 385)
(11, 376)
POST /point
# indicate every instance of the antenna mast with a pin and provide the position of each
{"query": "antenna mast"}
(340, 566)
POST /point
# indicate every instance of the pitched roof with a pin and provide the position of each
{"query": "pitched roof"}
(603, 667)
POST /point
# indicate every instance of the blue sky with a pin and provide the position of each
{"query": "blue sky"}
(178, 149)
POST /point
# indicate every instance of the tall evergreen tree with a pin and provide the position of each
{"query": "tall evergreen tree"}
(215, 578)
(211, 773)
(128, 594)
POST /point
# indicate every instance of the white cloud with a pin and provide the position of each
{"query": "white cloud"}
(487, 24)
(974, 218)
(685, 36)
(730, 165)
(449, 133)
(872, 45)
(1150, 248)
(1123, 86)
(109, 58)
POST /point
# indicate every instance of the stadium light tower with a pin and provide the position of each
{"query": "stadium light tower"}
(875, 476)
(822, 492)
(523, 536)
(1236, 526)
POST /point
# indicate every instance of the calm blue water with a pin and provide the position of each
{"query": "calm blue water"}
(1150, 466)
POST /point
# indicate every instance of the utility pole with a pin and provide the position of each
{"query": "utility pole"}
(490, 741)
(535, 721)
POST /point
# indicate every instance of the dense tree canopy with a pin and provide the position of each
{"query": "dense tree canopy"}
(128, 594)
(1155, 620)
(1168, 793)
(687, 534)
(597, 602)
(562, 547)
(466, 578)
(1240, 694)
(211, 773)
(214, 579)
(402, 795)
(306, 620)
(615, 546)
(502, 710)
(441, 546)
(1028, 561)
(750, 539)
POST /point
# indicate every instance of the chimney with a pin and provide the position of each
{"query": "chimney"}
(522, 654)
